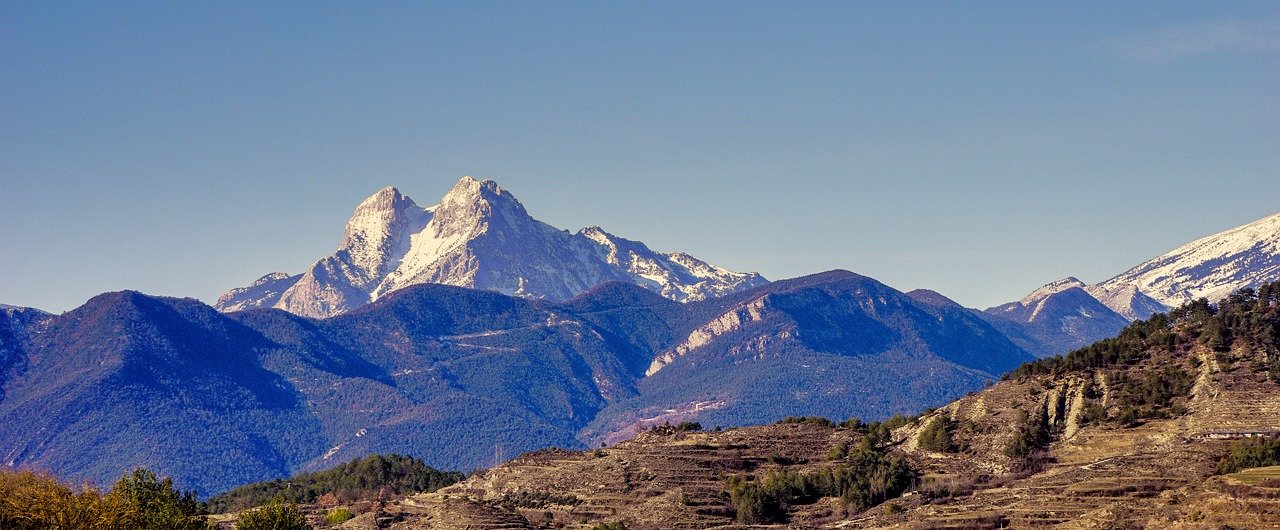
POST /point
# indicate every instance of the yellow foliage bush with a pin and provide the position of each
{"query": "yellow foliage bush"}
(39, 501)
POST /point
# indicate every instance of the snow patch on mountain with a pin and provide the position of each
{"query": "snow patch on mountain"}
(263, 292)
(1035, 297)
(1126, 300)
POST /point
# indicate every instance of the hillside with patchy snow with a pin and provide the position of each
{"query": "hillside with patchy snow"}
(1210, 267)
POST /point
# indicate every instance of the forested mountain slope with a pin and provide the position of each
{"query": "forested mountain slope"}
(464, 378)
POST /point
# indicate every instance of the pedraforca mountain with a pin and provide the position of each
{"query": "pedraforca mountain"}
(478, 236)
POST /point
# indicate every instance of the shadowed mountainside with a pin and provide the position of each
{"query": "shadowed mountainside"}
(463, 378)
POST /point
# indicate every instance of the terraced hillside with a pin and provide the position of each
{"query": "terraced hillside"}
(1127, 433)
(659, 479)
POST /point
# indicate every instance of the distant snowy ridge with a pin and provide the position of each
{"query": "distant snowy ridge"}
(1034, 298)
(479, 236)
(1068, 313)
(1123, 300)
(1059, 317)
(1210, 267)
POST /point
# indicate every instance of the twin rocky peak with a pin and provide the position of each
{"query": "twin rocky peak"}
(478, 236)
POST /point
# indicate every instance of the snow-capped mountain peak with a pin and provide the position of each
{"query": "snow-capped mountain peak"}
(471, 201)
(1067, 313)
(1051, 288)
(1209, 267)
(378, 234)
(469, 191)
(479, 236)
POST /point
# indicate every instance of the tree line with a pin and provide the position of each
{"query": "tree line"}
(364, 478)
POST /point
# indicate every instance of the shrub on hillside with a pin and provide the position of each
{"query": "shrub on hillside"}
(1250, 452)
(338, 515)
(30, 500)
(936, 436)
(152, 503)
(668, 429)
(866, 478)
(806, 420)
(879, 432)
(752, 504)
(838, 451)
(1034, 434)
(275, 516)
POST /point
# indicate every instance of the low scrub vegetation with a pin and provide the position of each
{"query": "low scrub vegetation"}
(809, 420)
(338, 516)
(536, 499)
(274, 516)
(668, 429)
(879, 432)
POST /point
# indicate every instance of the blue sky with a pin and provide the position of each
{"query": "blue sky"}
(979, 150)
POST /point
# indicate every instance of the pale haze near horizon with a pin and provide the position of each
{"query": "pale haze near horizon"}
(977, 150)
